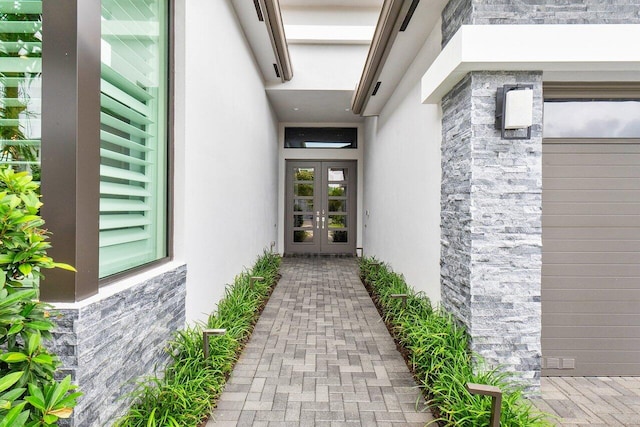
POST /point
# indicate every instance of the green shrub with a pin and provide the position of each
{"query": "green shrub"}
(29, 394)
(439, 354)
(189, 386)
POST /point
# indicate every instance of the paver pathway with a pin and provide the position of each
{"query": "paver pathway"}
(592, 401)
(320, 356)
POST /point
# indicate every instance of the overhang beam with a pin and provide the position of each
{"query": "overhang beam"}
(561, 52)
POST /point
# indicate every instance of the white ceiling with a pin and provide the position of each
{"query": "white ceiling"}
(313, 106)
(327, 98)
(324, 76)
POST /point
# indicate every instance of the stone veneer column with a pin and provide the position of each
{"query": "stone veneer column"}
(107, 344)
(491, 224)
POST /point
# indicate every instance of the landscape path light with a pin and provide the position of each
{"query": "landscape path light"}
(254, 279)
(496, 400)
(403, 297)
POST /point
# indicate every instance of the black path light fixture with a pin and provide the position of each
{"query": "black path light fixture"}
(402, 297)
(514, 111)
(496, 400)
(254, 279)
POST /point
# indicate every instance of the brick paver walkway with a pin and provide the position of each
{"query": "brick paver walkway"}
(320, 356)
(592, 401)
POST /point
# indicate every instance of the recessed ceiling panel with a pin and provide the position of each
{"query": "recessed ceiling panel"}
(313, 106)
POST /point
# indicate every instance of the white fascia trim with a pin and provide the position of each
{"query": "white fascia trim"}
(329, 34)
(557, 49)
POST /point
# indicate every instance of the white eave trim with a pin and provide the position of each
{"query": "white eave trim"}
(383, 38)
(275, 27)
(600, 50)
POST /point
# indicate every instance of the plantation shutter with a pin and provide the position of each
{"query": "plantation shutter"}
(133, 135)
(20, 84)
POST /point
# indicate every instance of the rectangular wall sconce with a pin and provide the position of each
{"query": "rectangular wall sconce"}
(514, 111)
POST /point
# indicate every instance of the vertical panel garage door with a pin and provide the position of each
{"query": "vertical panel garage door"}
(591, 257)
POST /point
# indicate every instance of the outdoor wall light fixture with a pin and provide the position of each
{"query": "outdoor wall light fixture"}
(514, 111)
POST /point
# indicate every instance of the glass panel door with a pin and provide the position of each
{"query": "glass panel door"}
(302, 208)
(318, 198)
(339, 191)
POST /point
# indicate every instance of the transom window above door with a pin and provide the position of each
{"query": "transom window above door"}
(320, 137)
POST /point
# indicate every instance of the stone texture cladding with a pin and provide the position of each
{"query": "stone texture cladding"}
(491, 224)
(483, 12)
(455, 14)
(108, 344)
(455, 211)
(491, 189)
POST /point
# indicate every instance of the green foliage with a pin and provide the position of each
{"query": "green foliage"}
(29, 395)
(304, 175)
(439, 354)
(16, 94)
(184, 394)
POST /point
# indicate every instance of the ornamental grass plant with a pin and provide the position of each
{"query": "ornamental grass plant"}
(437, 350)
(186, 391)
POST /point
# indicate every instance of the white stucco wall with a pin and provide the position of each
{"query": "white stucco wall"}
(402, 180)
(230, 156)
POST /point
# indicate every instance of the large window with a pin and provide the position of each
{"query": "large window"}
(105, 218)
(133, 133)
(20, 84)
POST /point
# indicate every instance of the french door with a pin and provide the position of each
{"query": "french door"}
(320, 210)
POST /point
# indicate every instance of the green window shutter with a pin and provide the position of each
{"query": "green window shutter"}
(133, 134)
(20, 84)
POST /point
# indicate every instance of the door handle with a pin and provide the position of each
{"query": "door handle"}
(318, 220)
(323, 222)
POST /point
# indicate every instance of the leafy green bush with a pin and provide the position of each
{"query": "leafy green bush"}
(184, 395)
(439, 354)
(29, 395)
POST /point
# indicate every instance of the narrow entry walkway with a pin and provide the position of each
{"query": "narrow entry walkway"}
(320, 356)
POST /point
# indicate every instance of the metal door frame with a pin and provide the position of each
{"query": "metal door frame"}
(321, 244)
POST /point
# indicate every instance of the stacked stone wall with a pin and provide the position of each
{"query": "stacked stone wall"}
(506, 230)
(491, 197)
(491, 224)
(455, 14)
(107, 344)
(491, 12)
(455, 202)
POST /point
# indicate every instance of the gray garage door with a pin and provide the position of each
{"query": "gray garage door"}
(591, 257)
